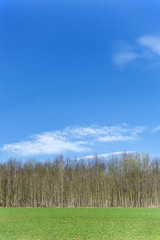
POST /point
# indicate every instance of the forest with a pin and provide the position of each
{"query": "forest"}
(129, 180)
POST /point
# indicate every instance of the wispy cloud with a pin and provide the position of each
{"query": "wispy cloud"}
(143, 48)
(151, 42)
(45, 143)
(74, 139)
(104, 155)
(124, 54)
(122, 58)
(156, 129)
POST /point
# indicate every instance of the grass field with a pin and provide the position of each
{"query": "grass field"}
(79, 223)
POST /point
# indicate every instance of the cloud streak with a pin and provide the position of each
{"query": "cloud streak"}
(104, 155)
(152, 43)
(73, 139)
(45, 143)
(156, 129)
(143, 48)
(124, 54)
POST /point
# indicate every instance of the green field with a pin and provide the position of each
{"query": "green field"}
(79, 223)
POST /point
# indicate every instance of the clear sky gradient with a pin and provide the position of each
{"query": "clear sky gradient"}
(79, 77)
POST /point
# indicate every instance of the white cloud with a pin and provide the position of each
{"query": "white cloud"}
(156, 129)
(115, 138)
(151, 42)
(45, 143)
(124, 57)
(144, 48)
(104, 155)
(74, 139)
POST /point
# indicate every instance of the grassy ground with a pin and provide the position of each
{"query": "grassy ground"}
(79, 223)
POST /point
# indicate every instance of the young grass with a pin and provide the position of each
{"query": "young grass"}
(79, 223)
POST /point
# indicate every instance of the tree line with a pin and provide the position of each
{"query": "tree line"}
(130, 180)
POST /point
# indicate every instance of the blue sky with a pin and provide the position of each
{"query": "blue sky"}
(79, 77)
